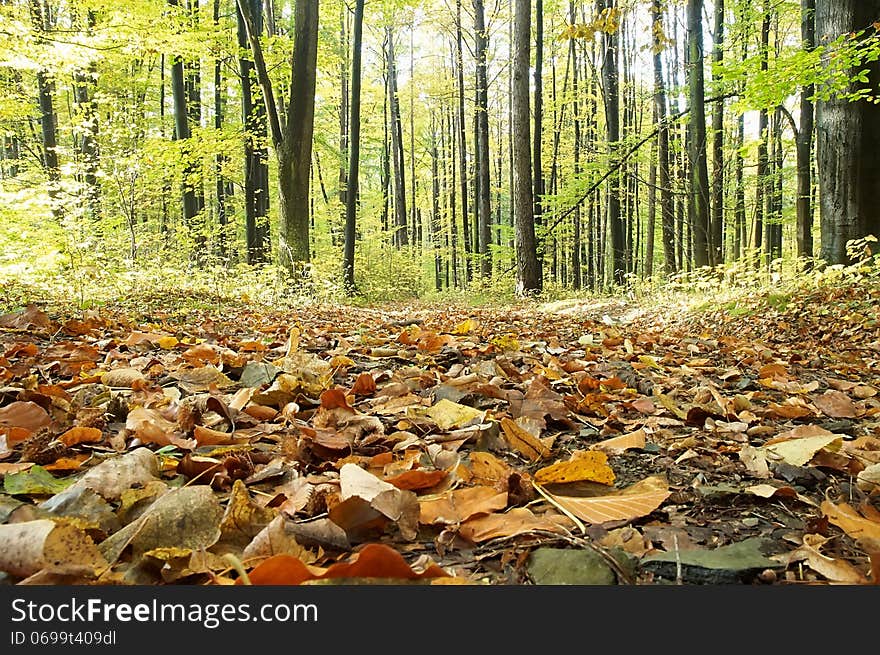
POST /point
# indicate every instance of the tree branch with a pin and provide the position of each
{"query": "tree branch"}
(620, 162)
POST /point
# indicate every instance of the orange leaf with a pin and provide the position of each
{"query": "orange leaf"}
(582, 465)
(334, 398)
(523, 442)
(461, 504)
(80, 435)
(863, 529)
(417, 479)
(365, 385)
(373, 561)
(208, 437)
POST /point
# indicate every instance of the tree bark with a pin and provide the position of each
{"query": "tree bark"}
(462, 144)
(716, 241)
(699, 178)
(612, 133)
(528, 271)
(848, 146)
(667, 213)
(804, 141)
(401, 238)
(354, 148)
(484, 203)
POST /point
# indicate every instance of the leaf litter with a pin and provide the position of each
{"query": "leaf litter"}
(428, 445)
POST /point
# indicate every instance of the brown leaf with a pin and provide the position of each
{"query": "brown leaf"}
(523, 442)
(417, 479)
(29, 318)
(862, 528)
(624, 442)
(364, 385)
(836, 404)
(519, 520)
(24, 414)
(243, 518)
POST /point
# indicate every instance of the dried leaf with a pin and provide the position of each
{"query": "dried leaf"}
(798, 452)
(24, 414)
(519, 520)
(864, 530)
(582, 465)
(114, 476)
(624, 442)
(79, 435)
(243, 518)
(836, 404)
(447, 415)
(373, 561)
(459, 505)
(635, 501)
(523, 442)
(44, 545)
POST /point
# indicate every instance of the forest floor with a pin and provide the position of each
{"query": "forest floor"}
(570, 442)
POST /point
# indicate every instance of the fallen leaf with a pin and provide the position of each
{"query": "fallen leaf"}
(519, 520)
(417, 479)
(373, 561)
(523, 442)
(123, 378)
(798, 452)
(461, 504)
(582, 465)
(114, 476)
(447, 414)
(79, 435)
(24, 414)
(630, 503)
(243, 519)
(44, 545)
(35, 481)
(624, 442)
(864, 530)
(833, 570)
(836, 404)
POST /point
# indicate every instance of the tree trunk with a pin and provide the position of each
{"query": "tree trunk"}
(462, 144)
(763, 121)
(804, 141)
(484, 205)
(256, 173)
(220, 159)
(848, 146)
(576, 119)
(667, 213)
(612, 133)
(538, 133)
(401, 238)
(699, 178)
(296, 149)
(354, 147)
(48, 119)
(344, 114)
(528, 271)
(716, 241)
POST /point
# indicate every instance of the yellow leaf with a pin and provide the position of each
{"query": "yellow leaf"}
(505, 342)
(447, 414)
(631, 503)
(582, 465)
(465, 327)
(523, 442)
(167, 343)
(861, 528)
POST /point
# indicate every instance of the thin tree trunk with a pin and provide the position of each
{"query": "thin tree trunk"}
(667, 214)
(401, 238)
(716, 241)
(354, 150)
(220, 159)
(462, 144)
(699, 178)
(804, 141)
(484, 203)
(528, 270)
